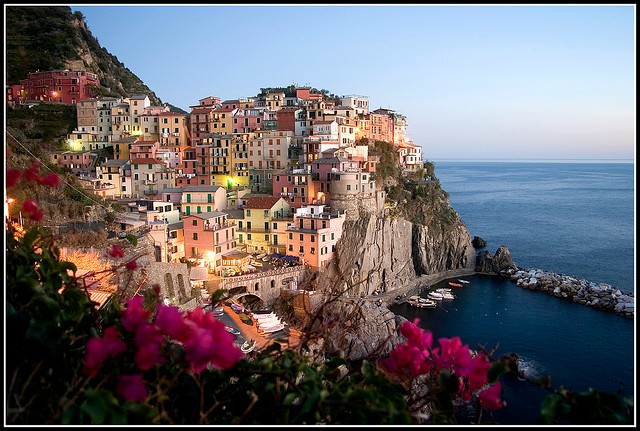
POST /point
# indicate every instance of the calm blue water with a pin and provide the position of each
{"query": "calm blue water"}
(570, 218)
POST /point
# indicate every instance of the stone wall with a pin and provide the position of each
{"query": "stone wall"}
(174, 282)
(268, 284)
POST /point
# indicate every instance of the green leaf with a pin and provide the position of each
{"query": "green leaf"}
(497, 368)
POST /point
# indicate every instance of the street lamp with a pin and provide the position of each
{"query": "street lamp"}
(6, 207)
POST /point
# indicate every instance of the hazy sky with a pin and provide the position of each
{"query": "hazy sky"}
(517, 82)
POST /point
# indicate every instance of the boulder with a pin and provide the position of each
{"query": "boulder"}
(478, 242)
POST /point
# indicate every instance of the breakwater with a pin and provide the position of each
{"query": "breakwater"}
(600, 296)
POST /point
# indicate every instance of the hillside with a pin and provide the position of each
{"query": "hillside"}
(52, 37)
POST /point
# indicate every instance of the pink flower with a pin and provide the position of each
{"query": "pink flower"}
(12, 177)
(99, 349)
(490, 398)
(209, 342)
(134, 315)
(479, 366)
(32, 173)
(170, 321)
(451, 354)
(116, 251)
(31, 207)
(131, 265)
(148, 341)
(132, 388)
(51, 180)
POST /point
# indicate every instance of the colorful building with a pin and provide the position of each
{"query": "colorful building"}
(313, 235)
(201, 199)
(263, 228)
(207, 236)
(64, 86)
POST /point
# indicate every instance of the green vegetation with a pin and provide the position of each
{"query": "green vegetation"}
(51, 323)
(51, 38)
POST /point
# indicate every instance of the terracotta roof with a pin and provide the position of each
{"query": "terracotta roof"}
(261, 203)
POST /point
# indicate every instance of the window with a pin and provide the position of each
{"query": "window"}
(290, 235)
(301, 249)
(301, 237)
(248, 213)
(248, 237)
(195, 236)
(266, 213)
(332, 236)
(348, 187)
(313, 238)
(290, 247)
(195, 222)
(313, 250)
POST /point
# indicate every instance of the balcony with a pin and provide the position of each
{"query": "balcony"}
(218, 226)
(150, 192)
(149, 182)
(253, 230)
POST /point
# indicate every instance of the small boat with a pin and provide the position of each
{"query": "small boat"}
(269, 329)
(248, 346)
(231, 330)
(435, 296)
(446, 293)
(237, 308)
(451, 283)
(422, 303)
(464, 281)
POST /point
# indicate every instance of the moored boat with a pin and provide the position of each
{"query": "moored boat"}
(422, 303)
(248, 346)
(435, 296)
(446, 293)
(464, 281)
(451, 283)
(269, 329)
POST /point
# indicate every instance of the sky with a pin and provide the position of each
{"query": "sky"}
(475, 82)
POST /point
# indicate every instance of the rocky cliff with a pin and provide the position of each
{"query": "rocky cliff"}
(383, 250)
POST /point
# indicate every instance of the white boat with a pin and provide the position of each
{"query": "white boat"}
(435, 295)
(422, 303)
(264, 316)
(267, 323)
(275, 328)
(464, 281)
(248, 346)
(446, 293)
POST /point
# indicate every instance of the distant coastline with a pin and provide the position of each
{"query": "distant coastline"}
(509, 160)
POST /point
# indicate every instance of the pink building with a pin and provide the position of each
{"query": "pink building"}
(207, 236)
(313, 235)
(78, 162)
(246, 120)
(144, 150)
(295, 186)
(65, 86)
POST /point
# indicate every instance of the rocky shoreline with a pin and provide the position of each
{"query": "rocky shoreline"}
(600, 296)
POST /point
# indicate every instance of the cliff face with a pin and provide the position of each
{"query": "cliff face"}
(384, 250)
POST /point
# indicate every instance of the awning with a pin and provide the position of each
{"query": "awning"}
(290, 258)
(235, 255)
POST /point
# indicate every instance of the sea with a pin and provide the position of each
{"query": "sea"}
(570, 217)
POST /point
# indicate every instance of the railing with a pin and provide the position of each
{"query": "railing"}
(218, 226)
(253, 230)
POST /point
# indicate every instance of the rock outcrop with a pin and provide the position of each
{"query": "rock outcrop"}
(478, 242)
(356, 329)
(501, 261)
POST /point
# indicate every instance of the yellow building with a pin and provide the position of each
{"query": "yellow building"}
(263, 228)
